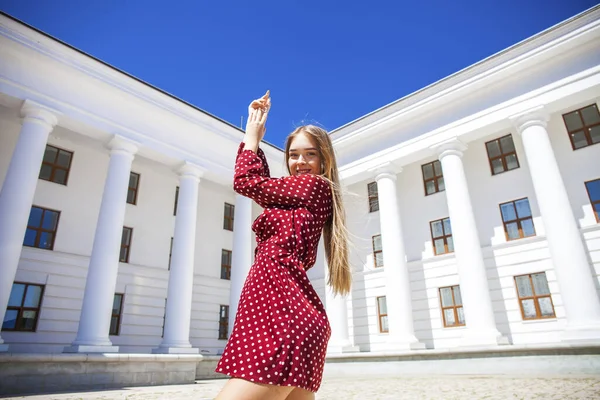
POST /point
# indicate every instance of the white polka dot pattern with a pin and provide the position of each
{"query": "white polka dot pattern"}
(281, 329)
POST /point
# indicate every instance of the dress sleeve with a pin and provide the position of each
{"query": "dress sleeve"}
(252, 180)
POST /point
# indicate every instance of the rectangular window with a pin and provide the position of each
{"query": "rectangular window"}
(534, 296)
(583, 126)
(433, 178)
(441, 236)
(382, 314)
(452, 309)
(56, 165)
(125, 244)
(134, 184)
(23, 308)
(517, 219)
(225, 264)
(377, 251)
(502, 154)
(41, 228)
(176, 199)
(228, 217)
(373, 197)
(170, 254)
(593, 189)
(223, 322)
(117, 311)
(164, 319)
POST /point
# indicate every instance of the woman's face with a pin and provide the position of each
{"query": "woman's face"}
(304, 156)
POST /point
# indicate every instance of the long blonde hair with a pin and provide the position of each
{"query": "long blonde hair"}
(335, 233)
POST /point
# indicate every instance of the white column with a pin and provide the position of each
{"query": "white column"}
(94, 323)
(16, 196)
(477, 303)
(176, 338)
(337, 313)
(573, 270)
(241, 253)
(398, 293)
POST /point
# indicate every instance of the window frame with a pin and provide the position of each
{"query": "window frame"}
(592, 202)
(223, 322)
(535, 298)
(373, 199)
(228, 220)
(134, 189)
(54, 166)
(224, 267)
(176, 200)
(119, 315)
(127, 246)
(170, 254)
(502, 155)
(435, 179)
(585, 128)
(375, 252)
(518, 220)
(39, 230)
(21, 308)
(454, 307)
(444, 237)
(380, 315)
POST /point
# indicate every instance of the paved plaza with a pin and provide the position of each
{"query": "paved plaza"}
(369, 388)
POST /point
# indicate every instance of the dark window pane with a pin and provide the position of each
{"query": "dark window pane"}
(527, 227)
(529, 308)
(45, 172)
(123, 254)
(126, 238)
(50, 154)
(450, 244)
(384, 324)
(540, 284)
(430, 187)
(377, 243)
(579, 139)
(512, 230)
(511, 162)
(32, 297)
(597, 209)
(497, 166)
(447, 227)
(379, 259)
(64, 159)
(508, 211)
(590, 115)
(573, 121)
(133, 180)
(595, 134)
(382, 303)
(546, 307)
(60, 176)
(374, 204)
(10, 319)
(46, 240)
(114, 322)
(493, 149)
(427, 171)
(436, 229)
(30, 236)
(457, 296)
(449, 317)
(593, 188)
(117, 304)
(524, 286)
(441, 185)
(50, 220)
(372, 188)
(35, 217)
(28, 320)
(16, 295)
(523, 209)
(461, 315)
(130, 196)
(507, 144)
(439, 246)
(446, 295)
(437, 167)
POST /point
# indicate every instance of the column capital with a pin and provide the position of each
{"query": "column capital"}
(387, 169)
(191, 170)
(534, 116)
(40, 114)
(120, 143)
(453, 146)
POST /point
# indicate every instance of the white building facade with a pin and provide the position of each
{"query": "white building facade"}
(473, 204)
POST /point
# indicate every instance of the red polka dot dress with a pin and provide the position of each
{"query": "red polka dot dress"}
(281, 330)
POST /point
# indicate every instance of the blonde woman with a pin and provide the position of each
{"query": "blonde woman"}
(277, 347)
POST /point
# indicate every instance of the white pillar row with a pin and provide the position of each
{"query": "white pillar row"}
(398, 293)
(569, 256)
(477, 303)
(241, 253)
(16, 196)
(176, 338)
(94, 322)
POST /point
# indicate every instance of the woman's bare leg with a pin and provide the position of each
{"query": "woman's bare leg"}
(300, 394)
(240, 389)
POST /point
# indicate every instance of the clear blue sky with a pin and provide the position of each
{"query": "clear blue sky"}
(326, 62)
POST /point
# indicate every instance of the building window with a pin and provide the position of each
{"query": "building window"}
(377, 251)
(170, 255)
(164, 319)
(41, 228)
(452, 308)
(223, 322)
(134, 184)
(23, 308)
(583, 126)
(125, 244)
(534, 296)
(176, 200)
(441, 236)
(228, 217)
(517, 219)
(117, 311)
(225, 264)
(56, 165)
(433, 179)
(502, 154)
(593, 189)
(373, 197)
(382, 314)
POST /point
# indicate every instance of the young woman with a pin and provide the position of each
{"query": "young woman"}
(277, 347)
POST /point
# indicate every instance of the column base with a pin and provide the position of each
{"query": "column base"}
(342, 349)
(472, 338)
(582, 334)
(399, 343)
(80, 348)
(176, 350)
(3, 348)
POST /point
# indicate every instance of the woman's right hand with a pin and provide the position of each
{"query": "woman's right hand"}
(257, 118)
